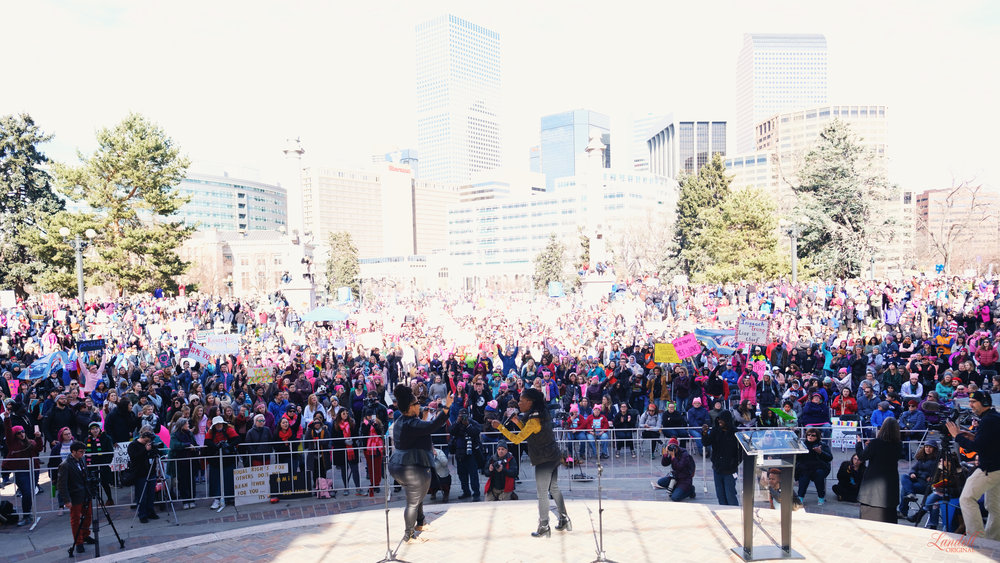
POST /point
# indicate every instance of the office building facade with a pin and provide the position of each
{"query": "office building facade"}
(232, 204)
(564, 137)
(458, 78)
(678, 148)
(776, 73)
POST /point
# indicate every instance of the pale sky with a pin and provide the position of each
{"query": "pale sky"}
(229, 81)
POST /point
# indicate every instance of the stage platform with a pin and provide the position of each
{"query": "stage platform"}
(498, 532)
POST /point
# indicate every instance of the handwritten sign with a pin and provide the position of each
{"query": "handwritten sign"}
(844, 433)
(120, 460)
(50, 301)
(753, 331)
(687, 346)
(252, 484)
(260, 375)
(663, 352)
(8, 299)
(199, 353)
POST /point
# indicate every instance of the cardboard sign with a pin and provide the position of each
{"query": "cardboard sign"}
(260, 375)
(844, 433)
(199, 353)
(120, 460)
(687, 346)
(252, 484)
(50, 301)
(753, 331)
(223, 343)
(90, 345)
(164, 359)
(663, 352)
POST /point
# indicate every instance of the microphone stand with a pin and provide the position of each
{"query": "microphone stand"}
(390, 555)
(602, 556)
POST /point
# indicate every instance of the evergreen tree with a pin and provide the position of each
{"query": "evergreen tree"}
(343, 268)
(708, 189)
(26, 200)
(549, 263)
(130, 182)
(739, 240)
(584, 259)
(843, 200)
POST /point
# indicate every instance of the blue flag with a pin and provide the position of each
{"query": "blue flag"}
(43, 366)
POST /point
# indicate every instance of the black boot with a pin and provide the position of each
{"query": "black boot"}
(564, 525)
(543, 531)
(917, 516)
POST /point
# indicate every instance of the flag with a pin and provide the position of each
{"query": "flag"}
(43, 366)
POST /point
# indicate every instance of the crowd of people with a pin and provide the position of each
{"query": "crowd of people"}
(895, 356)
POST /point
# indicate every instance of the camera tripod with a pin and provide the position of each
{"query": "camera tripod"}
(156, 474)
(93, 488)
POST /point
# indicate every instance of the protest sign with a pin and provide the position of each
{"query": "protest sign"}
(686, 346)
(259, 375)
(844, 433)
(50, 301)
(753, 331)
(223, 343)
(120, 460)
(89, 345)
(8, 299)
(252, 484)
(199, 353)
(663, 352)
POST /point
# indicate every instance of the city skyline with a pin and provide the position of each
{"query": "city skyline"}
(229, 85)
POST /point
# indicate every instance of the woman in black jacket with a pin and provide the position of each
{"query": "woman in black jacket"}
(879, 494)
(544, 453)
(849, 478)
(121, 422)
(411, 461)
(258, 442)
(726, 456)
(814, 465)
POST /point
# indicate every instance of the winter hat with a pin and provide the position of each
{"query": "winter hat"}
(491, 406)
(673, 442)
(574, 408)
(218, 420)
(597, 409)
(16, 429)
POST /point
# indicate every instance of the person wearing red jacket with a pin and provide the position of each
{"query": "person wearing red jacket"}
(845, 403)
(597, 427)
(21, 453)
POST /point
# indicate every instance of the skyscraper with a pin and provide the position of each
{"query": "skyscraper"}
(776, 73)
(683, 147)
(458, 91)
(564, 137)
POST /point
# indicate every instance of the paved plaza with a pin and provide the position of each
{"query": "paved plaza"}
(498, 532)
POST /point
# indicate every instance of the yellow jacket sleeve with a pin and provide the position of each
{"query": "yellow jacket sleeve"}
(528, 429)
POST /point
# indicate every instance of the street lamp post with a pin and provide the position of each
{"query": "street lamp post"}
(79, 245)
(793, 233)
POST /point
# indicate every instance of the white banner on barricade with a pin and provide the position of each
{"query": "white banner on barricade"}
(253, 484)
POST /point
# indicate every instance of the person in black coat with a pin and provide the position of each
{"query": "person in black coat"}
(100, 453)
(121, 422)
(625, 422)
(849, 478)
(814, 465)
(726, 456)
(467, 446)
(879, 493)
(74, 495)
(141, 454)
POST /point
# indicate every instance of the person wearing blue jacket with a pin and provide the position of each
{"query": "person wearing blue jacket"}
(697, 417)
(920, 477)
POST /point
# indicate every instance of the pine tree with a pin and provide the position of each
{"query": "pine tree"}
(843, 196)
(549, 263)
(739, 240)
(343, 268)
(708, 189)
(26, 201)
(130, 182)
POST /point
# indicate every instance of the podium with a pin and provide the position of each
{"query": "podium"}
(767, 449)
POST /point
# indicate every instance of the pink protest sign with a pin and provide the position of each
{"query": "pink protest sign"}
(687, 346)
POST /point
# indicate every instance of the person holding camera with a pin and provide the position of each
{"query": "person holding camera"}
(467, 446)
(100, 452)
(74, 494)
(501, 471)
(20, 453)
(221, 439)
(141, 457)
(679, 483)
(985, 480)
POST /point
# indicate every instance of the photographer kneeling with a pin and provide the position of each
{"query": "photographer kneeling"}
(680, 482)
(74, 494)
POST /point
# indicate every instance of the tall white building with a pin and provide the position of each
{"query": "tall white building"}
(231, 204)
(776, 73)
(640, 134)
(458, 95)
